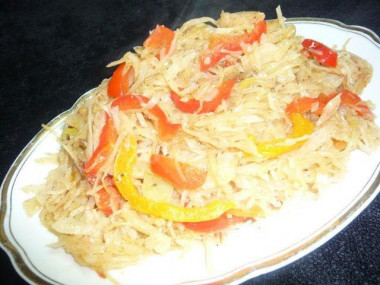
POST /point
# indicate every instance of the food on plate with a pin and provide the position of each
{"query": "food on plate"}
(200, 130)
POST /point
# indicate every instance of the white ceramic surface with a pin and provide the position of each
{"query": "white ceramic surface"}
(300, 226)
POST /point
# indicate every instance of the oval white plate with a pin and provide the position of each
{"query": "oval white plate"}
(302, 225)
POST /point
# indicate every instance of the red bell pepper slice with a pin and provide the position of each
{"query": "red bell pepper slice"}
(347, 98)
(304, 104)
(166, 130)
(107, 140)
(120, 81)
(215, 225)
(195, 106)
(182, 175)
(160, 40)
(218, 44)
(353, 101)
(321, 53)
(108, 199)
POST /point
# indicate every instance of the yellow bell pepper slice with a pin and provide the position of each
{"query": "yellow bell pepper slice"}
(245, 83)
(301, 127)
(254, 212)
(124, 163)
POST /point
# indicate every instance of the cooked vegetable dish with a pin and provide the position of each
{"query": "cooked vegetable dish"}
(200, 130)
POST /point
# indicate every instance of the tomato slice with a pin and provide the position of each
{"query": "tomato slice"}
(182, 175)
(195, 106)
(166, 130)
(215, 225)
(218, 45)
(107, 140)
(120, 81)
(321, 53)
(159, 41)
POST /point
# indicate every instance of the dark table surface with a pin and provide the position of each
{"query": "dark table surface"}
(54, 51)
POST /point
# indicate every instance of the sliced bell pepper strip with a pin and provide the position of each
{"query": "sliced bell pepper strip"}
(160, 40)
(120, 81)
(166, 130)
(305, 104)
(320, 53)
(108, 198)
(218, 224)
(353, 101)
(182, 175)
(103, 201)
(301, 127)
(124, 163)
(107, 140)
(234, 216)
(254, 212)
(195, 106)
(220, 45)
(347, 98)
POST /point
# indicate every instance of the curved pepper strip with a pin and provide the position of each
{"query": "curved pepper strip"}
(124, 163)
(218, 224)
(120, 81)
(107, 198)
(166, 130)
(301, 127)
(200, 107)
(107, 140)
(231, 217)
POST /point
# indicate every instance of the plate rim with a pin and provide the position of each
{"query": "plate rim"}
(236, 275)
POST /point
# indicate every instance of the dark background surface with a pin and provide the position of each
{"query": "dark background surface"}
(54, 51)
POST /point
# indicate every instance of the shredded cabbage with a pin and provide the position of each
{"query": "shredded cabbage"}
(270, 74)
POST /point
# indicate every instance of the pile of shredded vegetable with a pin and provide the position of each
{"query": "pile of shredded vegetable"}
(199, 130)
